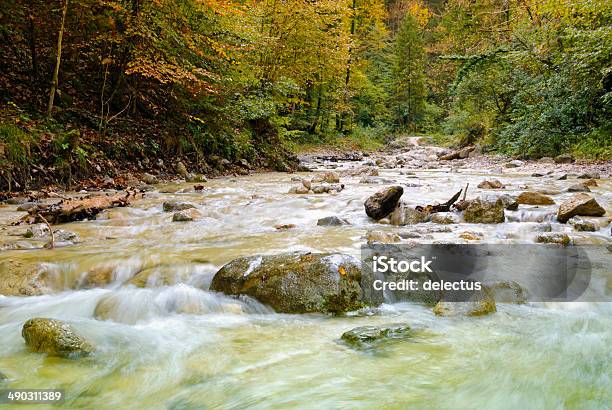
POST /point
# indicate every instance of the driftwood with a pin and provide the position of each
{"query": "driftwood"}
(445, 207)
(71, 210)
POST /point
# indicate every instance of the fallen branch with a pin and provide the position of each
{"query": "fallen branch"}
(71, 210)
(445, 207)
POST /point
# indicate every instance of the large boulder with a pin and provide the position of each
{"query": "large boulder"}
(383, 202)
(300, 282)
(55, 338)
(484, 212)
(579, 205)
(534, 198)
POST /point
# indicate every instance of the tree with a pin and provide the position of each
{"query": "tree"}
(58, 60)
(408, 76)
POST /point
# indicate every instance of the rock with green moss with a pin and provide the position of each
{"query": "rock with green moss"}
(506, 291)
(55, 338)
(300, 282)
(366, 336)
(3, 377)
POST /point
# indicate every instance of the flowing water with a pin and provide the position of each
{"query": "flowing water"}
(184, 347)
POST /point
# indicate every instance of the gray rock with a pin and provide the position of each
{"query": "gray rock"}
(581, 187)
(547, 160)
(382, 237)
(332, 221)
(186, 215)
(383, 202)
(375, 180)
(55, 338)
(515, 164)
(506, 291)
(300, 282)
(590, 175)
(174, 206)
(445, 218)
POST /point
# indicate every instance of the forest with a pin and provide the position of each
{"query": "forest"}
(86, 84)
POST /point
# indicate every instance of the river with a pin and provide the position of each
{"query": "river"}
(184, 347)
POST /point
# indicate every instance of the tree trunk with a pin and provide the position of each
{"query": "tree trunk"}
(32, 41)
(58, 61)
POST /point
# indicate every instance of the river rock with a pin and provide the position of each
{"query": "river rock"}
(325, 188)
(506, 291)
(493, 184)
(18, 278)
(3, 377)
(300, 282)
(162, 275)
(406, 215)
(581, 225)
(561, 177)
(55, 338)
(515, 164)
(365, 336)
(509, 202)
(331, 177)
(298, 190)
(175, 206)
(186, 215)
(590, 175)
(332, 221)
(445, 218)
(375, 180)
(579, 205)
(471, 236)
(150, 179)
(382, 237)
(564, 159)
(581, 187)
(481, 303)
(365, 171)
(591, 183)
(383, 202)
(534, 198)
(460, 154)
(484, 212)
(195, 178)
(555, 238)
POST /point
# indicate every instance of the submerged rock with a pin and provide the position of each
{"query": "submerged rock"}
(382, 237)
(534, 198)
(365, 336)
(406, 215)
(174, 206)
(506, 291)
(579, 205)
(383, 202)
(484, 212)
(332, 221)
(300, 282)
(481, 303)
(55, 338)
(590, 175)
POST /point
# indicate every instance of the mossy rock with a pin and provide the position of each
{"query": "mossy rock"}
(300, 282)
(484, 212)
(55, 338)
(366, 336)
(480, 303)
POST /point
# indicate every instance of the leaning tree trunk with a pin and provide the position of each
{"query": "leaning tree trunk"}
(58, 61)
